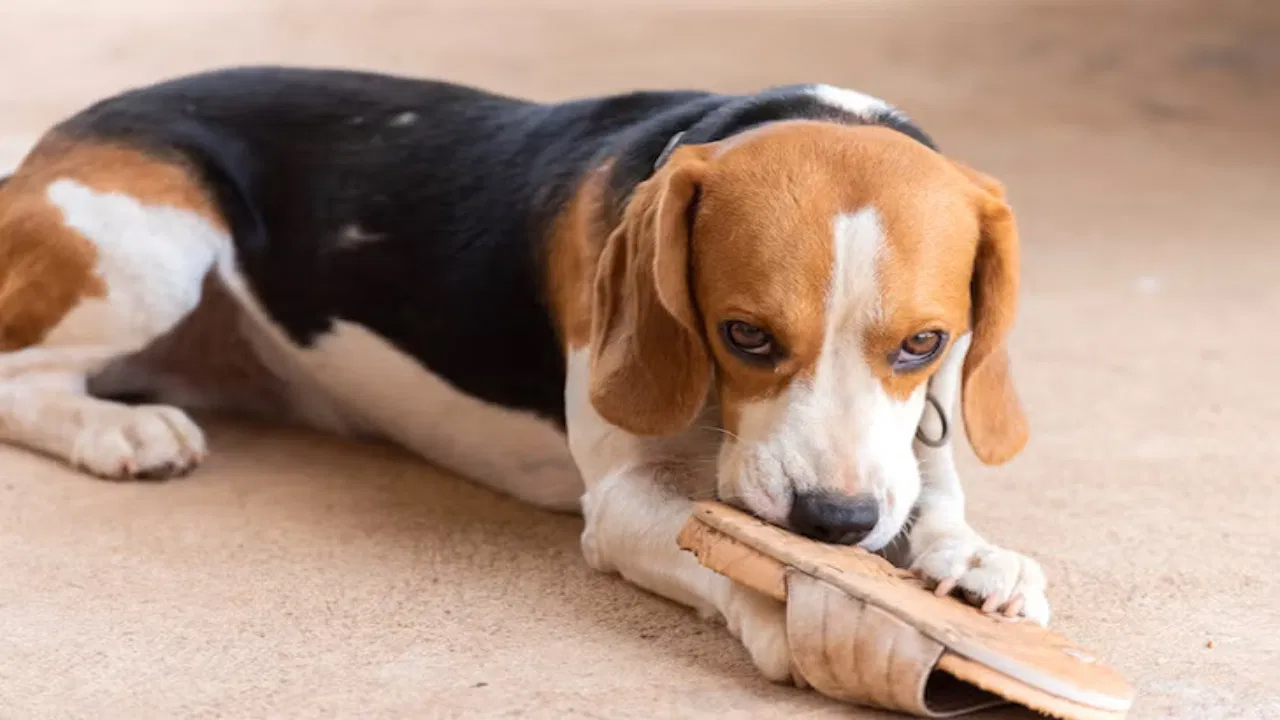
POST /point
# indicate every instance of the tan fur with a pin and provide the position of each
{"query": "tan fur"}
(118, 168)
(574, 248)
(764, 256)
(993, 416)
(780, 189)
(650, 372)
(761, 251)
(46, 268)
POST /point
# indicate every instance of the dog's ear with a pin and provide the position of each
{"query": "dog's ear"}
(650, 369)
(993, 416)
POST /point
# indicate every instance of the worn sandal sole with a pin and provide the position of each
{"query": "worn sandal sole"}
(863, 631)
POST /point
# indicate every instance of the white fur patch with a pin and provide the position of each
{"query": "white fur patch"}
(858, 103)
(404, 119)
(854, 297)
(633, 511)
(152, 259)
(598, 447)
(354, 236)
(391, 393)
(839, 431)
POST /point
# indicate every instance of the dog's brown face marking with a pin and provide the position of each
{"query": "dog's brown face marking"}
(836, 245)
(46, 267)
(765, 251)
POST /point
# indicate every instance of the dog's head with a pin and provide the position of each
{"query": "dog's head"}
(813, 278)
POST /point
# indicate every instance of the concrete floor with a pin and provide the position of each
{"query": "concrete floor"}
(292, 578)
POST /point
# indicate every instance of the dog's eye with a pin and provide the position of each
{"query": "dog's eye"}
(749, 341)
(918, 350)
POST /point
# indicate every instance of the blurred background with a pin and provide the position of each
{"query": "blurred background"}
(1140, 143)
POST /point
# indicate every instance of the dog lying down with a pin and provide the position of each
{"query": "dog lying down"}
(611, 305)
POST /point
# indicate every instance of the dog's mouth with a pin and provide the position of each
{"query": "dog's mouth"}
(881, 538)
(774, 516)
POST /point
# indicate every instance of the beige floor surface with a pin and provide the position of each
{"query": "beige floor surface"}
(298, 577)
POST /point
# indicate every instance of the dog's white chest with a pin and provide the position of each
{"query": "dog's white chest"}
(376, 387)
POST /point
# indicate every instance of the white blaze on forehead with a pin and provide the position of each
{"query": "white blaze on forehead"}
(845, 392)
(854, 297)
(873, 449)
(821, 424)
(871, 443)
(838, 430)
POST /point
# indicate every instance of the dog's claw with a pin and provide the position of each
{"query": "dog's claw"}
(945, 587)
(1014, 608)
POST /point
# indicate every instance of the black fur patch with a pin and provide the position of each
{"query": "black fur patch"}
(417, 209)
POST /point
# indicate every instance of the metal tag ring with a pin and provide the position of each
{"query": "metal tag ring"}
(942, 418)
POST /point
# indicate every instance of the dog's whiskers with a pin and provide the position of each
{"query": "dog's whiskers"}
(722, 431)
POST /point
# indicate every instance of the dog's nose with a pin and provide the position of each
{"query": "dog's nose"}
(832, 517)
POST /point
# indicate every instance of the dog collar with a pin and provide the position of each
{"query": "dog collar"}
(671, 146)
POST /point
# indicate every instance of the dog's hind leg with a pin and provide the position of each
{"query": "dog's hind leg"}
(103, 249)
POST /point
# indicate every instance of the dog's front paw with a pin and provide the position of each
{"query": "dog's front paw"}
(150, 442)
(760, 622)
(991, 577)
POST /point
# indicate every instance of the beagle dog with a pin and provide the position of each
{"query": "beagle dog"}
(610, 306)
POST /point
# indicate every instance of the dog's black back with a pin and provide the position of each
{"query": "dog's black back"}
(417, 209)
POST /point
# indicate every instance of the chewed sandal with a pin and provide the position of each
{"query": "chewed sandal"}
(865, 632)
